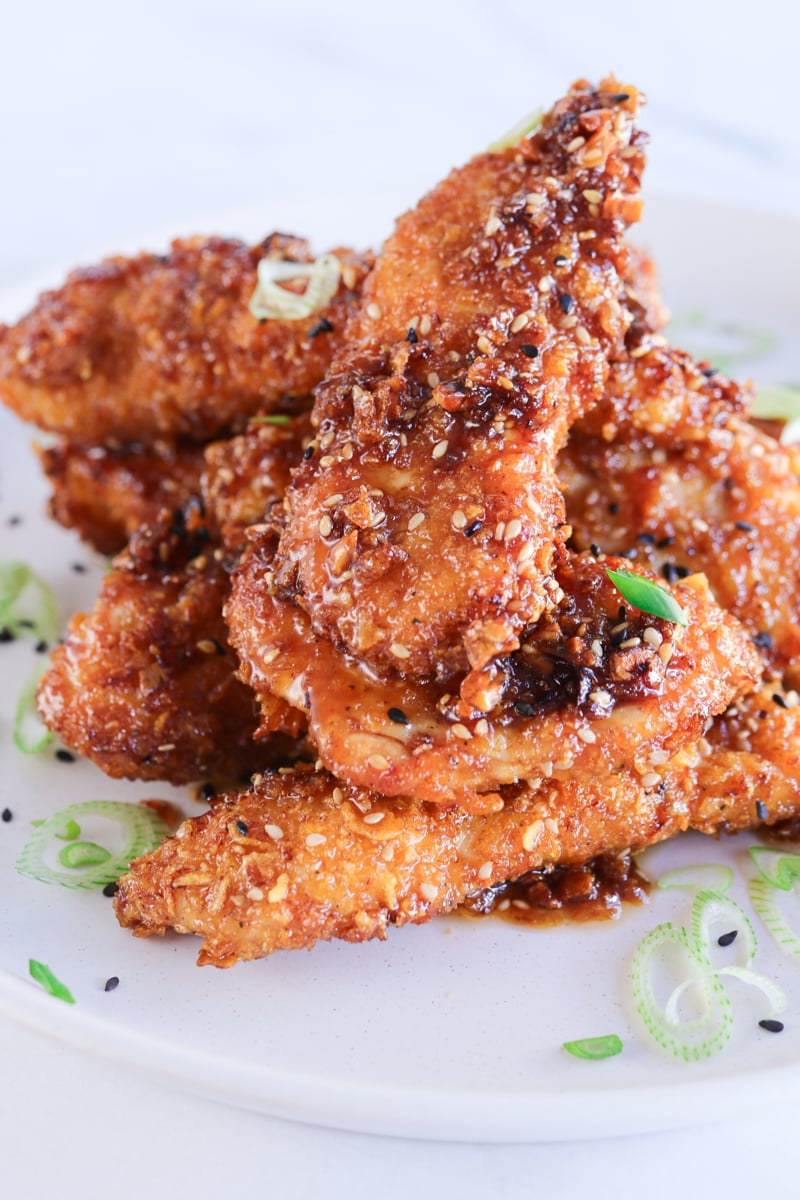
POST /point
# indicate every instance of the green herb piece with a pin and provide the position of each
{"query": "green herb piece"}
(776, 866)
(47, 979)
(648, 597)
(764, 898)
(271, 301)
(517, 132)
(29, 732)
(70, 831)
(27, 603)
(275, 419)
(83, 854)
(778, 403)
(706, 876)
(89, 865)
(595, 1048)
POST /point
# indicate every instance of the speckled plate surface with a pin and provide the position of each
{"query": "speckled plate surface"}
(452, 1030)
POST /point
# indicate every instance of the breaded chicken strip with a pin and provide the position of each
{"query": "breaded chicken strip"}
(166, 347)
(145, 685)
(106, 495)
(301, 858)
(593, 686)
(423, 530)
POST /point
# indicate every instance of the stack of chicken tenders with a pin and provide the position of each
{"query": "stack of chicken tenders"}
(367, 553)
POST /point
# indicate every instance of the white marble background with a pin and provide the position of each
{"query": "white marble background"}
(117, 121)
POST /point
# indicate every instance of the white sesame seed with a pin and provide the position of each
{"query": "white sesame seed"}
(326, 526)
(425, 325)
(532, 834)
(597, 648)
(629, 643)
(535, 200)
(482, 727)
(575, 144)
(600, 697)
(433, 379)
(274, 831)
(588, 736)
(583, 335)
(665, 652)
(652, 636)
(659, 757)
(440, 449)
(460, 731)
(372, 818)
(332, 500)
(592, 195)
(428, 891)
(316, 839)
(485, 871)
(651, 779)
(499, 531)
(527, 552)
(520, 322)
(338, 795)
(484, 345)
(373, 311)
(640, 350)
(492, 225)
(167, 747)
(415, 521)
(255, 893)
(378, 762)
(458, 519)
(513, 529)
(279, 890)
(327, 460)
(545, 283)
(399, 650)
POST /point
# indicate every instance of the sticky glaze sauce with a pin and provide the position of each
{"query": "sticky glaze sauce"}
(596, 891)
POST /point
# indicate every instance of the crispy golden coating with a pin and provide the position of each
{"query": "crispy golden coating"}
(106, 495)
(422, 531)
(301, 857)
(726, 503)
(593, 686)
(166, 347)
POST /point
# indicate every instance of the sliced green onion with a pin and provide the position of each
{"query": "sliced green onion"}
(778, 403)
(595, 1048)
(764, 898)
(270, 301)
(275, 419)
(774, 993)
(29, 732)
(69, 833)
(83, 854)
(27, 603)
(711, 908)
(143, 828)
(776, 866)
(517, 132)
(47, 979)
(707, 876)
(648, 597)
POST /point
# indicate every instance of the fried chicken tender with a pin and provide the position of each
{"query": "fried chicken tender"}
(106, 494)
(421, 533)
(593, 686)
(724, 500)
(166, 347)
(301, 858)
(145, 685)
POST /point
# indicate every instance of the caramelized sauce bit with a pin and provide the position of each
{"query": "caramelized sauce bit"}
(781, 832)
(595, 891)
(170, 814)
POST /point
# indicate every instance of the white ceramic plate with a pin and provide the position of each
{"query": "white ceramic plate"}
(452, 1030)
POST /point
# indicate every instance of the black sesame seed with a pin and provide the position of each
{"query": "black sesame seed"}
(111, 889)
(620, 636)
(763, 640)
(411, 336)
(308, 453)
(473, 527)
(323, 325)
(646, 538)
(560, 260)
(671, 572)
(79, 568)
(6, 635)
(565, 301)
(530, 351)
(762, 812)
(622, 613)
(620, 98)
(710, 372)
(398, 716)
(771, 1026)
(745, 527)
(728, 484)
(779, 700)
(664, 542)
(111, 983)
(631, 552)
(242, 827)
(6, 815)
(65, 756)
(613, 508)
(15, 520)
(595, 550)
(727, 939)
(41, 647)
(208, 791)
(524, 709)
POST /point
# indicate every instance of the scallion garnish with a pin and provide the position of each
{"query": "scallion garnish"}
(83, 854)
(47, 979)
(29, 732)
(595, 1047)
(521, 129)
(272, 302)
(275, 419)
(69, 833)
(776, 866)
(647, 596)
(27, 603)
